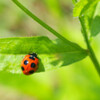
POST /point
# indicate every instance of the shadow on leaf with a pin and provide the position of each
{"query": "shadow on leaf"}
(41, 67)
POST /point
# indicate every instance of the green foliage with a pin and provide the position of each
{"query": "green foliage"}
(83, 7)
(52, 54)
(79, 79)
(95, 27)
(86, 9)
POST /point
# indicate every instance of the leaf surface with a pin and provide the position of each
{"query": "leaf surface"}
(52, 54)
(95, 27)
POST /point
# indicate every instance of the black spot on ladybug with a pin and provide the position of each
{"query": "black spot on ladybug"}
(33, 65)
(25, 62)
(32, 58)
(31, 72)
(22, 68)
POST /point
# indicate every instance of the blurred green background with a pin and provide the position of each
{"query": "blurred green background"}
(78, 81)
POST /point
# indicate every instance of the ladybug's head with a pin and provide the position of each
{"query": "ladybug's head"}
(33, 55)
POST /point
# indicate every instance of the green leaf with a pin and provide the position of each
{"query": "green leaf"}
(89, 12)
(95, 26)
(79, 7)
(85, 7)
(52, 54)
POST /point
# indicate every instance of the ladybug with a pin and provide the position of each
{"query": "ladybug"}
(29, 64)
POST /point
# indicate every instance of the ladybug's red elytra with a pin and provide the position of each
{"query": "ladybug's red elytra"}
(29, 64)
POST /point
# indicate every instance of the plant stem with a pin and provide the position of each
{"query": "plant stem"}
(42, 23)
(91, 52)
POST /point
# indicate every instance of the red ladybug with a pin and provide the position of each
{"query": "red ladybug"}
(30, 64)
